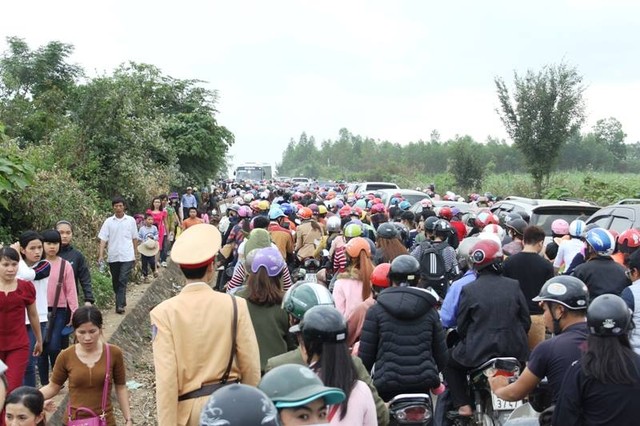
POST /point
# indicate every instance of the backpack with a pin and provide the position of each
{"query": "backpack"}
(433, 272)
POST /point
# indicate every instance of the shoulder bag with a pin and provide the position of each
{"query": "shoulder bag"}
(95, 419)
(208, 389)
(51, 316)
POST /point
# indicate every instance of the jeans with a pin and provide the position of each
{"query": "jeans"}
(120, 272)
(148, 264)
(165, 248)
(34, 361)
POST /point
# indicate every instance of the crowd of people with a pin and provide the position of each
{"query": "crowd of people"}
(402, 302)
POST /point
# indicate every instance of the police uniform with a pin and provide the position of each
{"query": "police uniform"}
(192, 336)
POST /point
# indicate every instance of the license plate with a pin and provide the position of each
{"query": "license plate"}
(500, 404)
(311, 278)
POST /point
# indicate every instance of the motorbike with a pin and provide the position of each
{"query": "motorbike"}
(490, 410)
(411, 409)
(307, 271)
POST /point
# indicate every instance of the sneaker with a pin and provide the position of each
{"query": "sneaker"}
(164, 264)
(155, 274)
(120, 311)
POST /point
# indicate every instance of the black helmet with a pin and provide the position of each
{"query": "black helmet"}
(405, 268)
(430, 222)
(608, 315)
(239, 404)
(322, 324)
(387, 230)
(566, 290)
(509, 216)
(442, 227)
(518, 225)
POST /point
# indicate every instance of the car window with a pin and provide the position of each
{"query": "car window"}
(620, 224)
(601, 221)
(376, 186)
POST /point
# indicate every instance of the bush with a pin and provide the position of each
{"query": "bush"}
(102, 289)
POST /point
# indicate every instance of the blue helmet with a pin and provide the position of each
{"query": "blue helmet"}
(601, 241)
(404, 205)
(275, 213)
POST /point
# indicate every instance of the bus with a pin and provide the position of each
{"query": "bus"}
(253, 171)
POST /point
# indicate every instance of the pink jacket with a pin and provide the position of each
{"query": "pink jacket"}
(347, 294)
(68, 293)
(361, 409)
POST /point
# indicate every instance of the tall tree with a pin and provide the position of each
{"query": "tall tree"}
(545, 109)
(609, 132)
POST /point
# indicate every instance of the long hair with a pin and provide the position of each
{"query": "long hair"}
(151, 207)
(391, 248)
(362, 264)
(263, 289)
(335, 368)
(610, 360)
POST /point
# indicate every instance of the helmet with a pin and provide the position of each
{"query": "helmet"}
(314, 208)
(322, 209)
(303, 295)
(287, 208)
(244, 211)
(248, 197)
(608, 315)
(445, 213)
(485, 253)
(344, 211)
(441, 226)
(234, 208)
(495, 229)
(463, 251)
(405, 268)
(485, 217)
(263, 205)
(356, 245)
(334, 224)
(380, 275)
(361, 203)
(377, 208)
(387, 230)
(489, 236)
(518, 226)
(352, 230)
(576, 227)
(426, 203)
(566, 290)
(601, 241)
(394, 201)
(238, 404)
(629, 240)
(305, 213)
(275, 213)
(429, 223)
(293, 385)
(323, 324)
(560, 227)
(404, 205)
(270, 259)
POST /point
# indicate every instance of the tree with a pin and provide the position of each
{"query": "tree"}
(609, 132)
(465, 164)
(546, 108)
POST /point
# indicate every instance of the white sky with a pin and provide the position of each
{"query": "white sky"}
(391, 70)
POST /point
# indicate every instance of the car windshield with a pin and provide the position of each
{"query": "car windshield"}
(249, 174)
(544, 218)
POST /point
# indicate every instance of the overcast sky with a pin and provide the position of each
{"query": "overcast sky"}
(391, 70)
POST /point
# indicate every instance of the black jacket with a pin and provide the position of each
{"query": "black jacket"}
(602, 275)
(493, 321)
(402, 337)
(80, 271)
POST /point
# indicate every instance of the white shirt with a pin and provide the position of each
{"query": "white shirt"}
(42, 304)
(567, 250)
(119, 235)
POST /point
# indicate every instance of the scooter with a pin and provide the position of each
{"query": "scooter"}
(490, 410)
(411, 409)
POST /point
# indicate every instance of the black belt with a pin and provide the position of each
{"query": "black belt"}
(205, 390)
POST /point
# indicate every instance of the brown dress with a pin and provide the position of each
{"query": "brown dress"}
(85, 384)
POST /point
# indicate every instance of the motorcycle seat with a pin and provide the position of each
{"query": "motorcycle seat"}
(501, 363)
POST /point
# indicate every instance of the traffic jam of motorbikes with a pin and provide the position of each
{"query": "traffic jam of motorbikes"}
(425, 307)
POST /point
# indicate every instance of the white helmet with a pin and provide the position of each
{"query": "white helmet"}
(576, 228)
(492, 228)
(247, 197)
(489, 236)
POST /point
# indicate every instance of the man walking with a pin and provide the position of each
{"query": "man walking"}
(188, 201)
(120, 234)
(202, 339)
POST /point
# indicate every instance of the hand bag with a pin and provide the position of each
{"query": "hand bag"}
(95, 419)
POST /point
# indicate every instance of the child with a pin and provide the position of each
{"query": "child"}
(148, 246)
(193, 219)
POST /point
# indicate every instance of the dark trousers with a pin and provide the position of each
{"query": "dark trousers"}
(165, 249)
(34, 361)
(120, 272)
(148, 264)
(456, 376)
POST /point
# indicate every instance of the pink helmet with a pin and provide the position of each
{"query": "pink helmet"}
(560, 227)
(244, 211)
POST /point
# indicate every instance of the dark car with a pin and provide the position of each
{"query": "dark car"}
(542, 212)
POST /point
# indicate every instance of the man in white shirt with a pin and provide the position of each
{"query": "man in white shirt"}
(121, 234)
